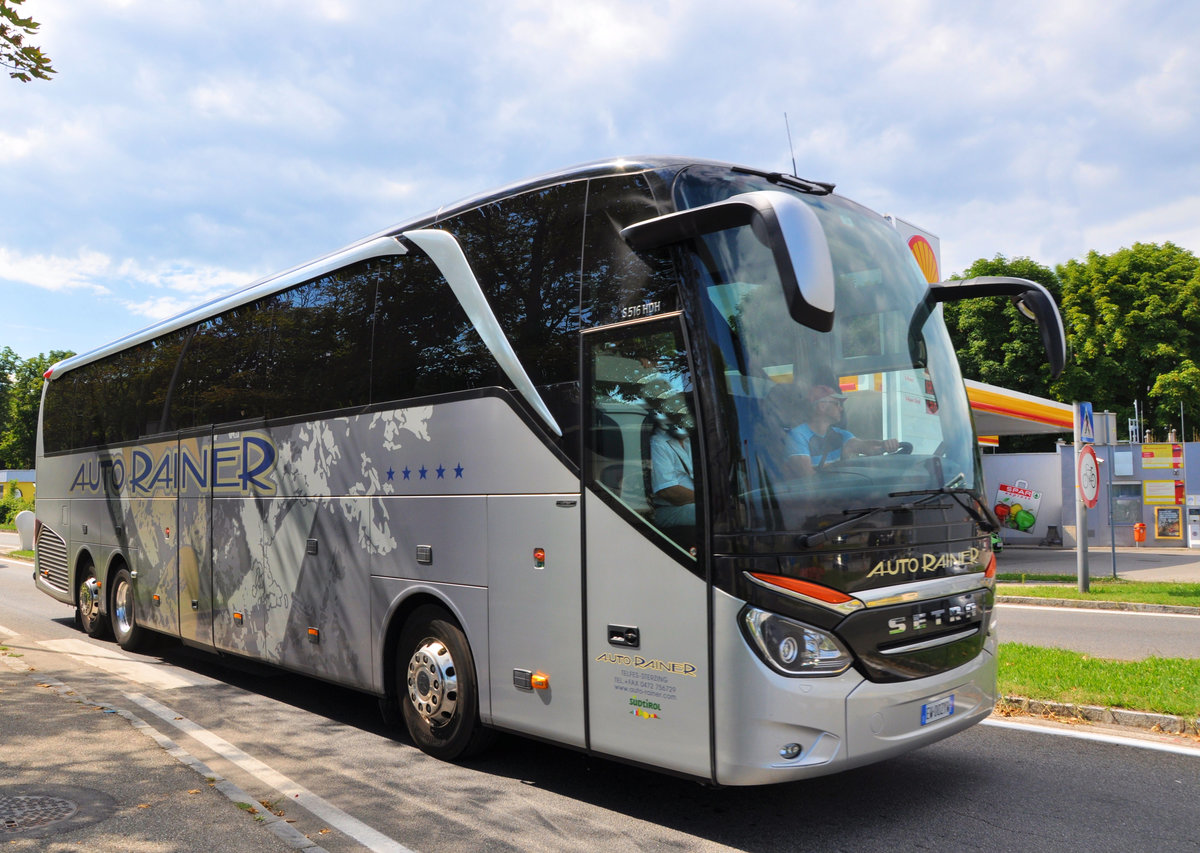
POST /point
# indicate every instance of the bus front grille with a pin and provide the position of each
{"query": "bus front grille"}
(52, 558)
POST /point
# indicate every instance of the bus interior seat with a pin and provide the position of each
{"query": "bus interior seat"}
(864, 413)
(609, 460)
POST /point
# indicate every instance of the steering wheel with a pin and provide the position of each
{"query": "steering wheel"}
(903, 448)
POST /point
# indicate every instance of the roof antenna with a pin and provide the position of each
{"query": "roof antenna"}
(791, 148)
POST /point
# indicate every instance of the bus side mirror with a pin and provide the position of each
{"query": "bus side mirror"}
(1031, 299)
(782, 223)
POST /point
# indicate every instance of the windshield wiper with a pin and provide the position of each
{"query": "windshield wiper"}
(811, 540)
(985, 519)
(803, 184)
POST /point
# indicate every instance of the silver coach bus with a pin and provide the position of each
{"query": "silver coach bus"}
(537, 463)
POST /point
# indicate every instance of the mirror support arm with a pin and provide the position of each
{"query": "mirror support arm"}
(1031, 299)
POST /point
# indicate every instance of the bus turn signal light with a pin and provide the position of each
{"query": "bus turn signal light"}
(540, 681)
(812, 590)
(813, 593)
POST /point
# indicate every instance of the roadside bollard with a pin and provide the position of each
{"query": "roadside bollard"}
(25, 525)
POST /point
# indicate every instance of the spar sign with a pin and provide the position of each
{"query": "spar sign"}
(1017, 506)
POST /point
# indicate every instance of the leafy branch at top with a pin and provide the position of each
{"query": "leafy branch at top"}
(26, 60)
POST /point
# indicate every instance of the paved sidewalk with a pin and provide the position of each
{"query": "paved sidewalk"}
(79, 776)
(1176, 565)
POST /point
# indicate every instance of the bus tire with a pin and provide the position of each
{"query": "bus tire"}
(123, 612)
(88, 617)
(436, 686)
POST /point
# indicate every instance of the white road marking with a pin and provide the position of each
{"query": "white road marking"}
(331, 814)
(1098, 737)
(158, 676)
(7, 633)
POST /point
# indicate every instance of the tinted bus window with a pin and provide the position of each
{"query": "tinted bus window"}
(424, 343)
(617, 283)
(320, 344)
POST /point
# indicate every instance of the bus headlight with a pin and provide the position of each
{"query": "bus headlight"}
(793, 648)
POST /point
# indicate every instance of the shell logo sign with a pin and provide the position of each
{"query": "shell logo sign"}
(926, 247)
(926, 257)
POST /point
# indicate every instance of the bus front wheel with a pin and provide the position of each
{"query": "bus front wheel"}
(129, 634)
(436, 687)
(87, 603)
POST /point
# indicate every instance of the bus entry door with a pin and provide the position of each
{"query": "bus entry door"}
(647, 614)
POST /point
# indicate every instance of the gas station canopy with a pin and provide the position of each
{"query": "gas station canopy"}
(999, 411)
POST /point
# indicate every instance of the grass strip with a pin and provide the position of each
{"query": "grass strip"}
(1158, 685)
(1106, 589)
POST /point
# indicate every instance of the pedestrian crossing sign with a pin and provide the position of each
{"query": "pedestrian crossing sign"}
(1087, 428)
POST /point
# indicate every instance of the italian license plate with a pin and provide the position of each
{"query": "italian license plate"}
(933, 711)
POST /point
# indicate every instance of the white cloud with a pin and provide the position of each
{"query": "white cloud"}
(100, 275)
(56, 273)
(1177, 221)
(158, 308)
(263, 103)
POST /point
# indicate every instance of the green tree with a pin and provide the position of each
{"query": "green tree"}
(25, 60)
(18, 423)
(1134, 327)
(8, 367)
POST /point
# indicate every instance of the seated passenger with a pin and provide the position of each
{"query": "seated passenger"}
(818, 442)
(672, 485)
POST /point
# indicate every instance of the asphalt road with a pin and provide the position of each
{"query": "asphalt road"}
(323, 756)
(1102, 633)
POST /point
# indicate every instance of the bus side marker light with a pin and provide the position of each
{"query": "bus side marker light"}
(314, 635)
(540, 681)
(237, 618)
(539, 558)
(991, 568)
(157, 600)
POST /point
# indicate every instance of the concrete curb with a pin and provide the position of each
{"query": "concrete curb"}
(1168, 723)
(1098, 605)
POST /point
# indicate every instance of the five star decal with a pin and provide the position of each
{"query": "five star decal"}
(440, 473)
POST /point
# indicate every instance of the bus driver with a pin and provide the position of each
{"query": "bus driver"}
(818, 442)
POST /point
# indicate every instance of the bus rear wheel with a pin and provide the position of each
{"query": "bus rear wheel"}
(129, 634)
(436, 686)
(88, 617)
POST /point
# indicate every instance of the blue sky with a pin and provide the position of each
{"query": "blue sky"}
(185, 148)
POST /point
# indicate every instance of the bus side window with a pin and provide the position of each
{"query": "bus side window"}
(524, 250)
(424, 342)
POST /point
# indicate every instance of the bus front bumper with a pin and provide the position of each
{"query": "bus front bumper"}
(776, 729)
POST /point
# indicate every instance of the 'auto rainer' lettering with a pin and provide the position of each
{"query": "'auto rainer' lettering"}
(923, 564)
(241, 466)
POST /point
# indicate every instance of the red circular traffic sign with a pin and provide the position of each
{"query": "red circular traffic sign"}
(1088, 476)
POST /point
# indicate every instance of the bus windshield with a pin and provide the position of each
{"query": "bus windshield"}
(812, 425)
